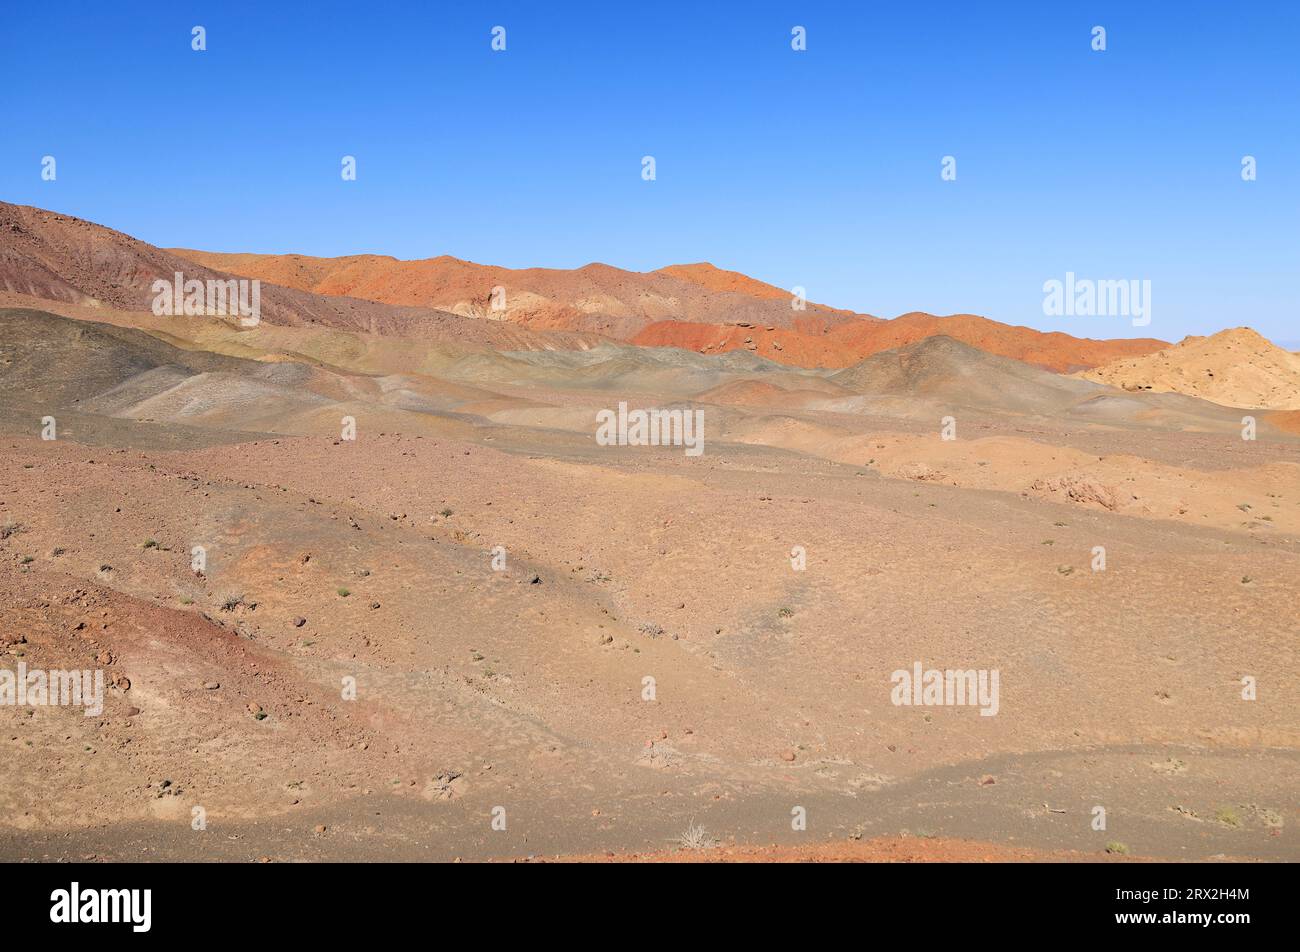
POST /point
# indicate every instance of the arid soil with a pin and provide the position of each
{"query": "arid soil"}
(880, 850)
(468, 630)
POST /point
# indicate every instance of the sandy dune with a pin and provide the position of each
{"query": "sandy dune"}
(1236, 367)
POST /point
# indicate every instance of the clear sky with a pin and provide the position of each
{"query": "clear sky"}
(818, 168)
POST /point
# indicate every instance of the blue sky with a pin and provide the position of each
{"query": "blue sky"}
(818, 168)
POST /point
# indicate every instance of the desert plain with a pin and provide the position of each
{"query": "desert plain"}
(463, 628)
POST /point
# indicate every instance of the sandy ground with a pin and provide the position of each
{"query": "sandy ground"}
(503, 712)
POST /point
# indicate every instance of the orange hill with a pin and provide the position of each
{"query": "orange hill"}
(696, 307)
(595, 298)
(716, 279)
(806, 345)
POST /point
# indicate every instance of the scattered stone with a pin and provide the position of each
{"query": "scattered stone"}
(299, 621)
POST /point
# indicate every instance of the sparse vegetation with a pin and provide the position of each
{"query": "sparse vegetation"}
(786, 612)
(344, 592)
(445, 513)
(1227, 816)
(28, 559)
(8, 529)
(149, 544)
(57, 551)
(1117, 848)
(696, 838)
(231, 602)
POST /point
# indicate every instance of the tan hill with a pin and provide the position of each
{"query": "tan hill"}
(1236, 367)
(946, 369)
